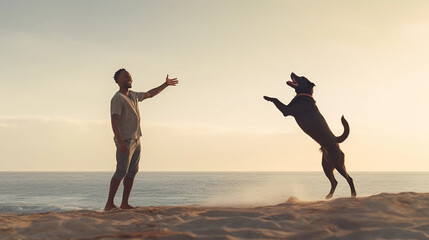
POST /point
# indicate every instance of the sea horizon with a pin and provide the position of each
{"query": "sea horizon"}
(217, 171)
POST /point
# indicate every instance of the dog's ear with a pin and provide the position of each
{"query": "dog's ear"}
(312, 84)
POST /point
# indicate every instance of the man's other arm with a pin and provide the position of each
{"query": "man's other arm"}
(123, 146)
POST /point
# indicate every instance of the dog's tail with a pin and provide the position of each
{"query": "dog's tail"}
(346, 132)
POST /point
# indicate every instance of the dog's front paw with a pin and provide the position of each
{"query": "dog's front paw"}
(268, 98)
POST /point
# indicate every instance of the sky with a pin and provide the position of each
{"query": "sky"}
(368, 59)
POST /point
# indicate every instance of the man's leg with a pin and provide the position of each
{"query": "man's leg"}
(122, 164)
(131, 173)
(114, 185)
(128, 184)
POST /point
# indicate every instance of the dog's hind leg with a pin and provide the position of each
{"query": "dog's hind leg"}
(337, 157)
(328, 168)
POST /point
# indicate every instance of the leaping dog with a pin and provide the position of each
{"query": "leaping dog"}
(303, 108)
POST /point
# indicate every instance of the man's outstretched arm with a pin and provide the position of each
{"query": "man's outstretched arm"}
(155, 91)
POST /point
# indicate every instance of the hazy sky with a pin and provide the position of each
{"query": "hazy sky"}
(368, 59)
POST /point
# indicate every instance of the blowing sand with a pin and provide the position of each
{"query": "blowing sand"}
(383, 216)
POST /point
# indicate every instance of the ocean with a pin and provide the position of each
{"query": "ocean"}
(32, 192)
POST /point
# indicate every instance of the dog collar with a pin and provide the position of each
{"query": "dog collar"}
(304, 94)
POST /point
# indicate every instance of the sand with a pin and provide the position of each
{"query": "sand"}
(383, 216)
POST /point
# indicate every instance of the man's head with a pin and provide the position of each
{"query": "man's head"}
(300, 84)
(123, 78)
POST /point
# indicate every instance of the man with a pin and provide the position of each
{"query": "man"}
(125, 119)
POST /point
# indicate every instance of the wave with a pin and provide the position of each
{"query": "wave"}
(38, 208)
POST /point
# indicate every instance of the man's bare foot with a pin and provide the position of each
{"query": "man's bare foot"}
(126, 206)
(110, 206)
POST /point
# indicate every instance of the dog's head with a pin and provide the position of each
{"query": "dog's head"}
(300, 84)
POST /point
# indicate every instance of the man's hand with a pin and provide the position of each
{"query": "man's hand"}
(123, 147)
(155, 91)
(171, 82)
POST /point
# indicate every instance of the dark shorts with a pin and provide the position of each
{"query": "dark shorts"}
(127, 164)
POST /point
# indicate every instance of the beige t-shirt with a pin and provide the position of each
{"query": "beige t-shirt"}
(128, 109)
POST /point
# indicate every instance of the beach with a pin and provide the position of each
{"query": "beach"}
(383, 216)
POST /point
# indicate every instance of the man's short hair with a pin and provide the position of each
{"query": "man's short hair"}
(117, 74)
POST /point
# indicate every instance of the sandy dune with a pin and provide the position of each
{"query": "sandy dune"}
(383, 216)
